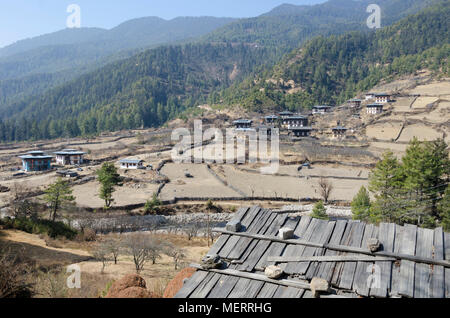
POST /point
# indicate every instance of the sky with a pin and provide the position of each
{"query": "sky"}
(21, 19)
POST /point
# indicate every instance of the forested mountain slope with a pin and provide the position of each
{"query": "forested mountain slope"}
(288, 26)
(144, 90)
(329, 70)
(31, 66)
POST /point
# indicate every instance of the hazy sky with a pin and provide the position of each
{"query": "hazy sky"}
(20, 19)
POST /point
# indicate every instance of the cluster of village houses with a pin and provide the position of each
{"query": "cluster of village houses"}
(36, 161)
(298, 125)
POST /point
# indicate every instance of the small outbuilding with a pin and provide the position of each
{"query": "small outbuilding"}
(354, 103)
(370, 96)
(339, 131)
(322, 109)
(270, 120)
(243, 123)
(132, 164)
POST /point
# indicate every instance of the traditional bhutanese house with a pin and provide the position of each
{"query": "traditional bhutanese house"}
(285, 114)
(370, 96)
(69, 157)
(67, 173)
(294, 121)
(339, 131)
(131, 164)
(36, 161)
(300, 131)
(374, 109)
(322, 109)
(354, 103)
(270, 120)
(320, 258)
(382, 98)
(242, 123)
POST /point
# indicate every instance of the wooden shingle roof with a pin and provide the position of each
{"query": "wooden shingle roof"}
(411, 261)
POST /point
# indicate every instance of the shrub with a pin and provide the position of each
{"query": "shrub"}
(13, 276)
(319, 211)
(52, 228)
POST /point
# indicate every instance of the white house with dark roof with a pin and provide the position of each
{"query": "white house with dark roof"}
(374, 109)
(382, 98)
(69, 157)
(322, 109)
(131, 163)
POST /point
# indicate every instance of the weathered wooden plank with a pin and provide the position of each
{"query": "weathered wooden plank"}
(344, 241)
(292, 250)
(360, 285)
(336, 258)
(222, 240)
(288, 292)
(325, 270)
(447, 270)
(261, 246)
(408, 246)
(343, 248)
(383, 270)
(424, 248)
(267, 291)
(437, 273)
(190, 285)
(254, 276)
(246, 288)
(234, 239)
(348, 271)
(278, 248)
(309, 268)
(223, 286)
(395, 280)
(241, 246)
(205, 286)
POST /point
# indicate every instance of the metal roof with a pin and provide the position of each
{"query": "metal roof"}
(134, 161)
(286, 112)
(300, 128)
(339, 128)
(295, 117)
(25, 157)
(382, 95)
(243, 121)
(375, 105)
(69, 152)
(410, 261)
(322, 107)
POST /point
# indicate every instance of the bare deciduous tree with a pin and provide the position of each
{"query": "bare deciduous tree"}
(192, 230)
(14, 273)
(102, 254)
(113, 244)
(142, 247)
(19, 204)
(326, 187)
(178, 254)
